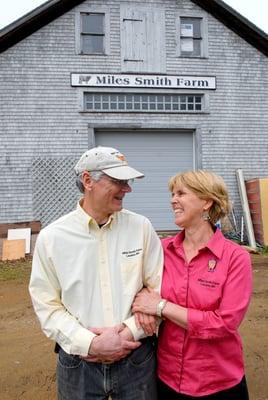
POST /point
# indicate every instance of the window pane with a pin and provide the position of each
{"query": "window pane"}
(93, 23)
(89, 106)
(89, 97)
(197, 47)
(92, 44)
(191, 27)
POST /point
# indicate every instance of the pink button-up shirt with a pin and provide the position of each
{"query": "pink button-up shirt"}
(215, 287)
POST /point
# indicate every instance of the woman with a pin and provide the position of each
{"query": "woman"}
(206, 289)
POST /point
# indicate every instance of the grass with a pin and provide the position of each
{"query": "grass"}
(265, 250)
(18, 270)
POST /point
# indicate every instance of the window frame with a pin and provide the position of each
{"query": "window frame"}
(204, 102)
(78, 29)
(203, 31)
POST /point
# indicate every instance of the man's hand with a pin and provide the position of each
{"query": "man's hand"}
(111, 344)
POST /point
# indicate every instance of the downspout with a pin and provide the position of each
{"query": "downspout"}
(246, 212)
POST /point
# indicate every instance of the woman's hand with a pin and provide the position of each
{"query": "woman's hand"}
(146, 301)
(149, 323)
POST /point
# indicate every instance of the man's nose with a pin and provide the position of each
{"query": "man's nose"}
(127, 188)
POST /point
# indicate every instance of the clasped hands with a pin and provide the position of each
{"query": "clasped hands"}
(111, 344)
(114, 343)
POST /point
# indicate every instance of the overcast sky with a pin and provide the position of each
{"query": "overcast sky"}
(254, 10)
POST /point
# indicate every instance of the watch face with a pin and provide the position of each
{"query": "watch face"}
(160, 307)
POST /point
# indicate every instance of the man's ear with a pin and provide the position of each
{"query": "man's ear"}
(87, 180)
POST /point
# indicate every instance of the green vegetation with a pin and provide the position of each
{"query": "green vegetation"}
(18, 270)
(265, 250)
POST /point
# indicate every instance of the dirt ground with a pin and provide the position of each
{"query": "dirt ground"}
(27, 367)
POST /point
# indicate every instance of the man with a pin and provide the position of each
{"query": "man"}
(87, 268)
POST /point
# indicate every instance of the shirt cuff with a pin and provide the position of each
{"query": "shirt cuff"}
(137, 333)
(194, 321)
(81, 342)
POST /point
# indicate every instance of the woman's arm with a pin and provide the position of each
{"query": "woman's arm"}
(209, 324)
(147, 302)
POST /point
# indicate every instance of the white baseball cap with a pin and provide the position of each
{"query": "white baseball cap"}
(108, 160)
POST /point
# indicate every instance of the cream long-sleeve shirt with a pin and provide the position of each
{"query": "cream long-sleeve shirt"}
(84, 276)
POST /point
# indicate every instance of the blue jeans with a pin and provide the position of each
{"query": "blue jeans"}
(132, 378)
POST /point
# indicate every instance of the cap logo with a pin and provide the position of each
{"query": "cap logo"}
(121, 157)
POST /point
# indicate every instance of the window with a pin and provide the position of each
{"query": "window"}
(135, 102)
(192, 36)
(92, 33)
(92, 30)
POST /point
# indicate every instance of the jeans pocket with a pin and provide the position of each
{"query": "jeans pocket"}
(142, 355)
(68, 360)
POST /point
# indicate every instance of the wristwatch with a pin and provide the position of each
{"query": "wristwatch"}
(160, 306)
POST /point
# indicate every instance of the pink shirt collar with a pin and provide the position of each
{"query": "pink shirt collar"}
(215, 244)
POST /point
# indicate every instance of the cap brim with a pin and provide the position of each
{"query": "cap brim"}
(123, 172)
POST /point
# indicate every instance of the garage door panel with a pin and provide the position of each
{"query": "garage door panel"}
(159, 154)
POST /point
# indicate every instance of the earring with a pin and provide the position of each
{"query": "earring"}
(206, 216)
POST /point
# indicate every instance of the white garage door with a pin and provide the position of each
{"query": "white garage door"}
(159, 155)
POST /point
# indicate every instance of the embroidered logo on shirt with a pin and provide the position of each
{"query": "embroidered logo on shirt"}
(212, 265)
(207, 283)
(131, 253)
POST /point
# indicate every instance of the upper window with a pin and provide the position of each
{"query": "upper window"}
(92, 31)
(192, 36)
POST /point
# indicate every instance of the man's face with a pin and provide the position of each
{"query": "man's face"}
(107, 194)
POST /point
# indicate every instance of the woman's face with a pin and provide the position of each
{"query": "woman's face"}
(188, 207)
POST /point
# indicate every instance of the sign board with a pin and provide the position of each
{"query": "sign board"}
(144, 81)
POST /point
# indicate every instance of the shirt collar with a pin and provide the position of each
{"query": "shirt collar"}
(86, 219)
(215, 244)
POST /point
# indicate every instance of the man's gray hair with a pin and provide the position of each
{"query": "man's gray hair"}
(95, 175)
